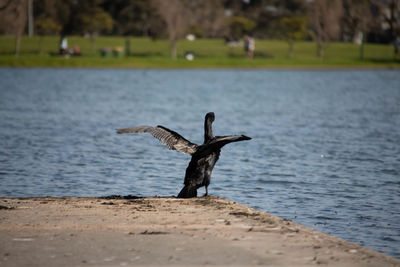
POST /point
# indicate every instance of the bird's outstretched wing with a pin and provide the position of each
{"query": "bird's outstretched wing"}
(171, 139)
(229, 139)
(217, 143)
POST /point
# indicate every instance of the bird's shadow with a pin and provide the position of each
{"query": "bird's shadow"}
(143, 197)
(130, 197)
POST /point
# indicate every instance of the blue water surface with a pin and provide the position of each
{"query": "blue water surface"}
(325, 150)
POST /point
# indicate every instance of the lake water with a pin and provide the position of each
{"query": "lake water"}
(325, 150)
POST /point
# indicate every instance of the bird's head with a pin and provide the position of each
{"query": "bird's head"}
(210, 116)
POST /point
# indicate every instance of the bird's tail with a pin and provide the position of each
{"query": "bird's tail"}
(188, 192)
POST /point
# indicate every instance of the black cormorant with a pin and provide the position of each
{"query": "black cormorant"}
(204, 156)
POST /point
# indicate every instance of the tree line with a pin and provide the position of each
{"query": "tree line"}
(319, 20)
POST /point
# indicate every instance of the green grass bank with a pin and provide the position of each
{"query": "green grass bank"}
(209, 53)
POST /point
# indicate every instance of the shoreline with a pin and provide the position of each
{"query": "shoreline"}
(222, 68)
(266, 68)
(124, 231)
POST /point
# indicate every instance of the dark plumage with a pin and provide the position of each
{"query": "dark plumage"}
(204, 156)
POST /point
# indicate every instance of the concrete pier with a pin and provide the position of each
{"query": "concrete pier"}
(164, 231)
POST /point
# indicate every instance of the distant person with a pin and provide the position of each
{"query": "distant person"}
(63, 46)
(249, 46)
(252, 46)
(396, 46)
(76, 51)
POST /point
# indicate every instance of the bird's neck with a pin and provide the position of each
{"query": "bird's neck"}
(208, 134)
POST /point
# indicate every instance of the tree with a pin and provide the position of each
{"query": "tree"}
(96, 22)
(176, 14)
(30, 18)
(388, 17)
(210, 18)
(131, 17)
(293, 29)
(325, 22)
(393, 19)
(91, 19)
(14, 15)
(58, 11)
(238, 26)
(356, 14)
(46, 26)
(49, 18)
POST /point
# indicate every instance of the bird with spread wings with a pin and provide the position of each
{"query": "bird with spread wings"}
(204, 156)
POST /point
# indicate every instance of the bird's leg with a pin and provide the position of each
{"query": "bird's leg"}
(206, 194)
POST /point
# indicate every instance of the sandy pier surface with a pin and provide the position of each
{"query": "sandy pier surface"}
(164, 231)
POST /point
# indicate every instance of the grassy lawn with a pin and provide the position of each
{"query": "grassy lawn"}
(209, 53)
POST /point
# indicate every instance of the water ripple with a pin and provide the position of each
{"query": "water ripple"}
(325, 149)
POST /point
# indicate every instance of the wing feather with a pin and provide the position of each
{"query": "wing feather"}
(171, 139)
